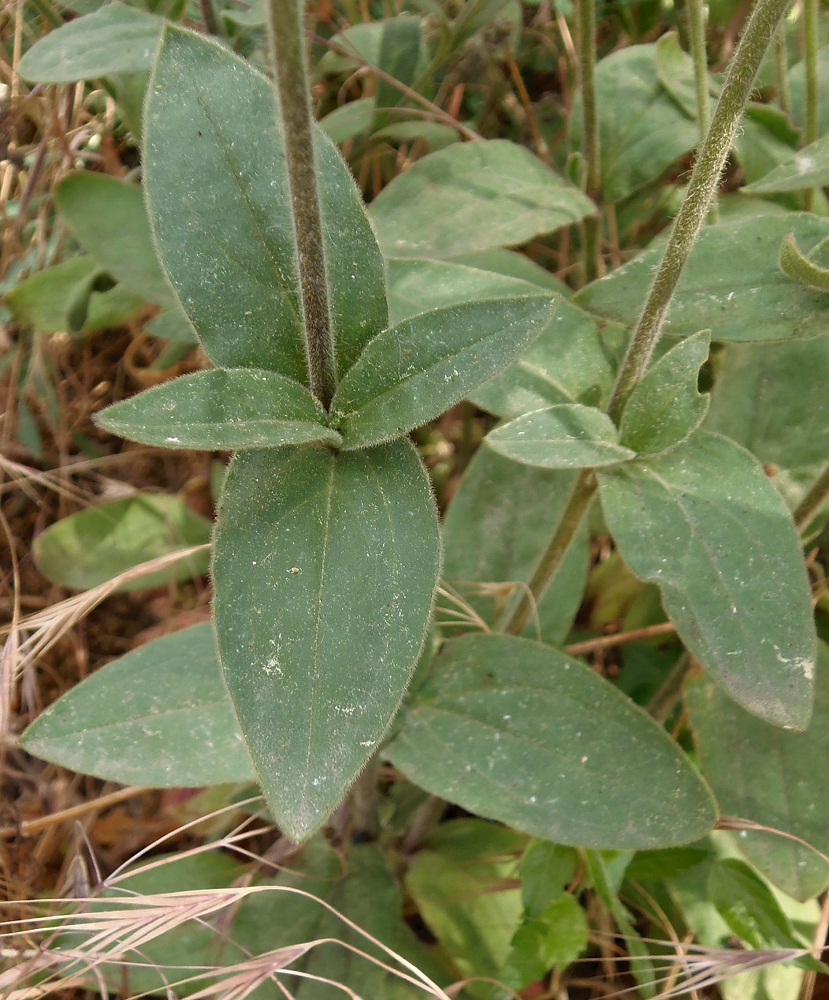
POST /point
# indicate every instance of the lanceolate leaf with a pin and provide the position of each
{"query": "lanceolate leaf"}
(569, 436)
(159, 717)
(223, 409)
(414, 371)
(666, 406)
(516, 731)
(324, 569)
(705, 524)
(218, 200)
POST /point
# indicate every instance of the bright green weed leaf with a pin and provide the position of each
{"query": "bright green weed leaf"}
(569, 436)
(748, 906)
(107, 217)
(96, 544)
(763, 774)
(412, 372)
(666, 406)
(158, 717)
(499, 522)
(222, 409)
(115, 39)
(807, 168)
(43, 301)
(433, 210)
(218, 200)
(731, 284)
(518, 732)
(642, 131)
(705, 524)
(324, 569)
(556, 937)
(545, 871)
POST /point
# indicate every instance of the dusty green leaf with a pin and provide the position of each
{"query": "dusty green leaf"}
(706, 525)
(159, 716)
(675, 69)
(412, 372)
(115, 39)
(217, 193)
(499, 522)
(760, 773)
(807, 168)
(569, 436)
(516, 731)
(222, 409)
(324, 569)
(433, 210)
(96, 544)
(666, 406)
(731, 285)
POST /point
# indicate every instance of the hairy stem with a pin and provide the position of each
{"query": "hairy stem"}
(585, 24)
(811, 133)
(813, 501)
(365, 799)
(781, 70)
(701, 190)
(208, 17)
(696, 35)
(287, 38)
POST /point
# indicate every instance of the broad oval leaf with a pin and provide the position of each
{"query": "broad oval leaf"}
(96, 544)
(705, 524)
(761, 773)
(432, 210)
(807, 168)
(731, 284)
(324, 569)
(412, 372)
(569, 436)
(115, 39)
(217, 193)
(158, 717)
(227, 409)
(521, 733)
(666, 406)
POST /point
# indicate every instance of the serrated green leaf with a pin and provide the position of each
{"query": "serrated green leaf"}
(705, 524)
(222, 409)
(324, 569)
(96, 544)
(159, 716)
(554, 938)
(807, 168)
(107, 217)
(569, 436)
(217, 193)
(762, 774)
(731, 285)
(518, 732)
(115, 39)
(545, 871)
(412, 372)
(666, 406)
(432, 210)
(498, 524)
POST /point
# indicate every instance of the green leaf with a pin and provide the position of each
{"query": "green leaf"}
(569, 436)
(705, 524)
(641, 130)
(554, 938)
(96, 544)
(222, 409)
(807, 168)
(799, 91)
(675, 69)
(432, 209)
(107, 217)
(412, 372)
(666, 407)
(217, 193)
(349, 121)
(518, 732)
(763, 774)
(398, 59)
(44, 300)
(748, 906)
(545, 870)
(498, 524)
(159, 716)
(731, 284)
(324, 569)
(115, 39)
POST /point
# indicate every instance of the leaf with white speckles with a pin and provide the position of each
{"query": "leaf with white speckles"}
(324, 569)
(218, 200)
(516, 731)
(706, 525)
(158, 717)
